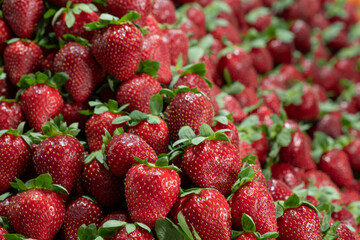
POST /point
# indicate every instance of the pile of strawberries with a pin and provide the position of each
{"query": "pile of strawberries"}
(179, 120)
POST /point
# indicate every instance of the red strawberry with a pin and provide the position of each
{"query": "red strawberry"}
(345, 217)
(119, 8)
(120, 215)
(201, 206)
(82, 13)
(121, 150)
(320, 179)
(344, 232)
(353, 153)
(347, 68)
(280, 51)
(21, 57)
(84, 73)
(286, 173)
(299, 221)
(2, 233)
(178, 44)
(15, 156)
(23, 15)
(41, 101)
(332, 119)
(79, 211)
(60, 153)
(117, 47)
(156, 186)
(229, 31)
(47, 62)
(64, 2)
(196, 14)
(10, 114)
(272, 101)
(102, 184)
(247, 97)
(278, 190)
(38, 207)
(302, 35)
(261, 59)
(137, 92)
(259, 18)
(330, 80)
(164, 11)
(233, 135)
(229, 103)
(5, 34)
(71, 113)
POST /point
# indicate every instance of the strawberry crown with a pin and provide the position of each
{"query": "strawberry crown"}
(3, 99)
(223, 117)
(161, 162)
(197, 49)
(19, 131)
(336, 9)
(332, 31)
(197, 68)
(293, 201)
(2, 73)
(71, 11)
(292, 95)
(15, 236)
(212, 12)
(107, 19)
(246, 173)
(71, 38)
(108, 229)
(100, 107)
(169, 94)
(43, 181)
(324, 194)
(248, 226)
(149, 67)
(254, 14)
(249, 131)
(280, 6)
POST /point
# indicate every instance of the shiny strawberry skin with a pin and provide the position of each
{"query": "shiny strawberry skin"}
(232, 106)
(15, 155)
(137, 92)
(117, 48)
(119, 8)
(344, 233)
(121, 150)
(233, 135)
(345, 217)
(71, 114)
(188, 109)
(164, 11)
(255, 200)
(158, 189)
(41, 208)
(84, 72)
(5, 34)
(246, 236)
(320, 179)
(278, 190)
(280, 51)
(21, 58)
(262, 60)
(302, 35)
(62, 157)
(178, 44)
(2, 233)
(286, 173)
(40, 103)
(10, 115)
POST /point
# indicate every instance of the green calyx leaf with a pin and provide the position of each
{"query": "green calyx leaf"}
(233, 88)
(111, 106)
(57, 126)
(249, 131)
(322, 143)
(281, 5)
(32, 79)
(4, 222)
(136, 117)
(166, 229)
(254, 14)
(107, 19)
(162, 162)
(330, 234)
(99, 156)
(332, 31)
(247, 223)
(245, 175)
(199, 48)
(292, 95)
(156, 105)
(16, 237)
(149, 67)
(211, 13)
(189, 191)
(71, 38)
(336, 9)
(180, 89)
(19, 131)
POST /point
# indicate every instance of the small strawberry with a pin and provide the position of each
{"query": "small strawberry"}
(117, 44)
(59, 152)
(5, 34)
(332, 119)
(344, 216)
(344, 232)
(23, 15)
(320, 179)
(119, 8)
(278, 190)
(286, 173)
(40, 99)
(15, 155)
(71, 113)
(10, 114)
(39, 204)
(259, 18)
(302, 35)
(231, 105)
(164, 11)
(84, 73)
(79, 211)
(178, 44)
(197, 207)
(280, 51)
(261, 59)
(157, 185)
(20, 58)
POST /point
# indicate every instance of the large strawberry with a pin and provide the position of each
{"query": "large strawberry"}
(39, 204)
(156, 185)
(59, 152)
(41, 100)
(10, 113)
(117, 44)
(15, 155)
(21, 57)
(119, 8)
(23, 15)
(84, 72)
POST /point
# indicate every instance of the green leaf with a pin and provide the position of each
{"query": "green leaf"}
(195, 53)
(279, 209)
(43, 181)
(58, 188)
(120, 120)
(284, 35)
(233, 88)
(16, 237)
(153, 120)
(70, 19)
(280, 5)
(110, 228)
(254, 14)
(130, 227)
(49, 13)
(87, 232)
(197, 68)
(332, 31)
(166, 230)
(336, 9)
(149, 67)
(130, 17)
(292, 202)
(284, 137)
(205, 130)
(247, 223)
(156, 104)
(184, 226)
(186, 133)
(269, 235)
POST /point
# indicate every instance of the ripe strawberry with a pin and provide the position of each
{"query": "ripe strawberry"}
(197, 15)
(278, 190)
(259, 18)
(104, 115)
(347, 68)
(118, 230)
(299, 221)
(330, 80)
(161, 184)
(59, 153)
(102, 184)
(229, 31)
(83, 71)
(230, 104)
(41, 101)
(199, 206)
(119, 8)
(71, 113)
(137, 92)
(23, 15)
(120, 215)
(20, 58)
(10, 114)
(345, 217)
(320, 179)
(2, 233)
(247, 97)
(261, 59)
(82, 13)
(117, 46)
(79, 211)
(5, 34)
(47, 62)
(178, 44)
(286, 173)
(344, 232)
(302, 35)
(280, 51)
(332, 119)
(37, 206)
(352, 151)
(64, 2)
(187, 109)
(233, 134)
(164, 11)
(15, 155)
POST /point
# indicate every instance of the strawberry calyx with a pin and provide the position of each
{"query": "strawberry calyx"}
(249, 131)
(336, 9)
(161, 162)
(252, 16)
(354, 208)
(212, 12)
(180, 71)
(43, 181)
(253, 39)
(279, 29)
(293, 201)
(292, 95)
(72, 38)
(170, 94)
(13, 40)
(149, 67)
(248, 226)
(223, 117)
(325, 194)
(4, 222)
(2, 73)
(19, 131)
(107, 19)
(232, 87)
(14, 236)
(280, 6)
(3, 99)
(197, 49)
(350, 121)
(329, 33)
(246, 173)
(100, 107)
(328, 230)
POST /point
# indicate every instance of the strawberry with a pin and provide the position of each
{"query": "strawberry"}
(229, 31)
(10, 114)
(59, 152)
(261, 59)
(137, 92)
(2, 233)
(229, 103)
(23, 15)
(119, 8)
(21, 57)
(5, 34)
(335, 36)
(41, 101)
(15, 155)
(352, 152)
(164, 11)
(83, 71)
(280, 51)
(71, 113)
(64, 2)
(204, 206)
(252, 198)
(286, 173)
(320, 179)
(247, 97)
(272, 101)
(187, 108)
(162, 185)
(298, 221)
(178, 44)
(345, 217)
(102, 119)
(6, 88)
(347, 68)
(64, 23)
(222, 122)
(37, 204)
(278, 190)
(79, 211)
(120, 215)
(102, 184)
(344, 232)
(117, 44)
(259, 18)
(332, 119)
(302, 35)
